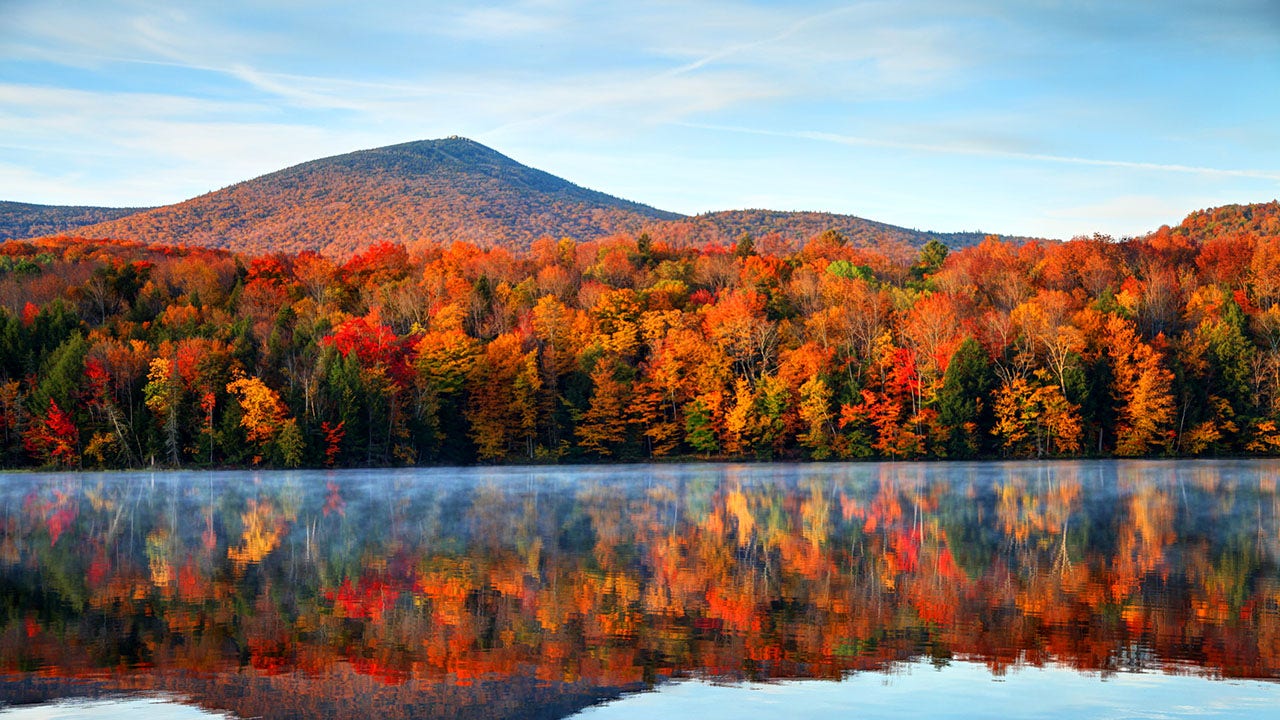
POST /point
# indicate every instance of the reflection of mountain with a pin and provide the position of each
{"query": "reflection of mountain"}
(339, 693)
(527, 592)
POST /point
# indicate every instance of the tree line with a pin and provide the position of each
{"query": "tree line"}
(116, 354)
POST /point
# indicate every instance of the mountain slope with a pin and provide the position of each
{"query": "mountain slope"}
(796, 227)
(446, 190)
(449, 190)
(1258, 218)
(24, 220)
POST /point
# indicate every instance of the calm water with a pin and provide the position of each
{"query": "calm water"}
(1076, 589)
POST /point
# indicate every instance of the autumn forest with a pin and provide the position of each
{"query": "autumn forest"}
(119, 354)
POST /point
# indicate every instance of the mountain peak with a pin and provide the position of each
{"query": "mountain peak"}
(444, 190)
(453, 143)
(441, 190)
(423, 156)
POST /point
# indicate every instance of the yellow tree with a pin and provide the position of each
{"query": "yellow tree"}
(816, 418)
(1266, 380)
(1044, 324)
(265, 419)
(163, 393)
(504, 385)
(856, 315)
(1265, 275)
(666, 382)
(617, 317)
(1035, 419)
(741, 421)
(603, 427)
(443, 360)
(558, 331)
(805, 371)
(1142, 390)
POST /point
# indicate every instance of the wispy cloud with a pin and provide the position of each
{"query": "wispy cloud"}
(645, 100)
(746, 79)
(83, 147)
(505, 22)
(745, 47)
(1068, 108)
(856, 50)
(143, 30)
(939, 148)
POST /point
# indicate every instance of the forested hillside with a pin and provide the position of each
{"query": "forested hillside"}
(792, 228)
(25, 220)
(440, 191)
(625, 348)
(432, 190)
(1258, 219)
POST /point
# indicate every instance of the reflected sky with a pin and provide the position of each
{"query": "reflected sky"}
(960, 690)
(133, 709)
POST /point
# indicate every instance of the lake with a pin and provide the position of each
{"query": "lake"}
(1054, 589)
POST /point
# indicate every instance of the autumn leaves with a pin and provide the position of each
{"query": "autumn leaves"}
(627, 348)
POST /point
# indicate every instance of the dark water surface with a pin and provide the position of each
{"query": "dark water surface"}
(1073, 589)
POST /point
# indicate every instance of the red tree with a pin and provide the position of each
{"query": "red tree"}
(53, 438)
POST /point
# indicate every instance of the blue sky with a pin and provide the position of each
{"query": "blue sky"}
(1036, 117)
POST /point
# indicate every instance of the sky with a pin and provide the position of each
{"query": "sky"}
(1047, 118)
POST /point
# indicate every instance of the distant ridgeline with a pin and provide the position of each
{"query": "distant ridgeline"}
(430, 191)
(627, 348)
(24, 220)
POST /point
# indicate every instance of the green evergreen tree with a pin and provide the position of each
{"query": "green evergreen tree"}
(930, 259)
(62, 374)
(963, 407)
(699, 433)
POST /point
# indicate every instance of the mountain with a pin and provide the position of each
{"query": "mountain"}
(441, 190)
(727, 226)
(24, 220)
(1258, 218)
(450, 189)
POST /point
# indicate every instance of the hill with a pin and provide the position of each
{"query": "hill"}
(24, 220)
(1259, 218)
(795, 228)
(446, 190)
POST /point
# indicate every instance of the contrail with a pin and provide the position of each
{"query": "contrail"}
(731, 50)
(987, 152)
(686, 68)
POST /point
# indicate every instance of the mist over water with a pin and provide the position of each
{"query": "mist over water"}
(537, 592)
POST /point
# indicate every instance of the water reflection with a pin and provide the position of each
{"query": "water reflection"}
(531, 593)
(151, 708)
(961, 691)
